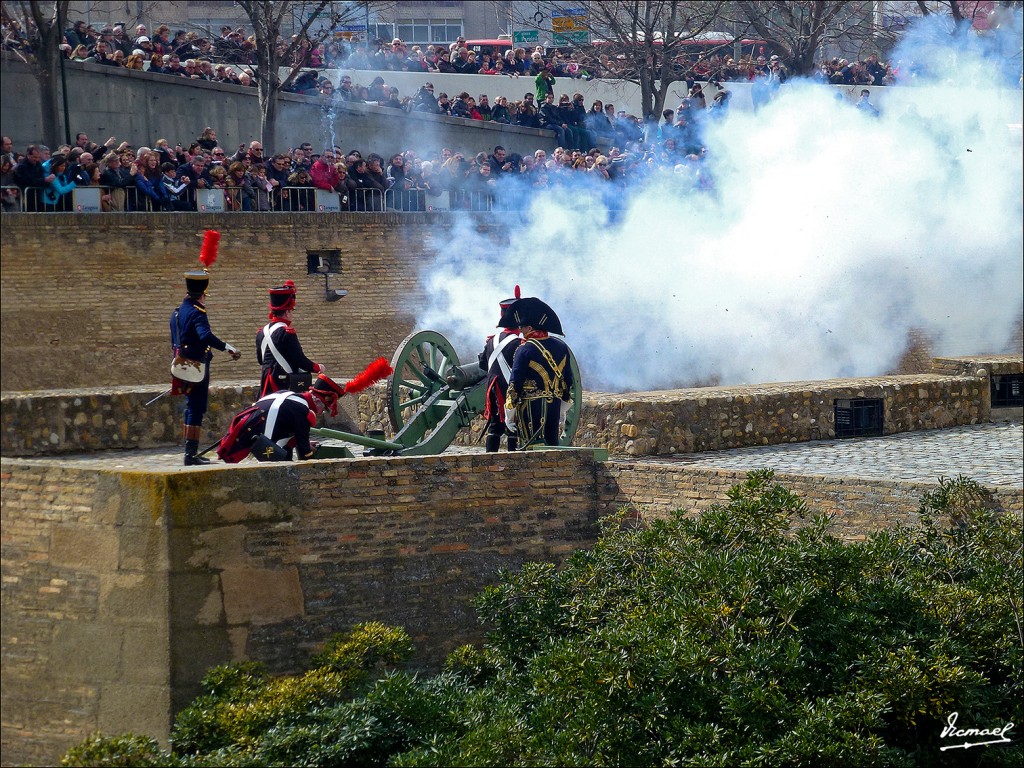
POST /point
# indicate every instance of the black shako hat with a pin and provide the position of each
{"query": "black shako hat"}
(533, 312)
(196, 281)
(282, 298)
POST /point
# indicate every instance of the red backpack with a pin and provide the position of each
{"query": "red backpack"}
(247, 425)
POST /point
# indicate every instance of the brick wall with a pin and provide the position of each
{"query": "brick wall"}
(86, 299)
(120, 588)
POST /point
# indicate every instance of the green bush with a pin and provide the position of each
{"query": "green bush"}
(125, 750)
(725, 639)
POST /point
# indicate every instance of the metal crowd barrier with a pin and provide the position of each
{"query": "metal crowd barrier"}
(283, 199)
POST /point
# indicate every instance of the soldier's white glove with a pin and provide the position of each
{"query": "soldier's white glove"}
(510, 419)
(231, 350)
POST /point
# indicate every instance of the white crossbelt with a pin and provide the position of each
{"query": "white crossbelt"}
(268, 343)
(496, 356)
(275, 408)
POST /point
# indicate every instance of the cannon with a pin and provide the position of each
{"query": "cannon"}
(430, 397)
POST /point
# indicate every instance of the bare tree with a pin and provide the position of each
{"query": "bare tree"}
(44, 24)
(647, 38)
(797, 30)
(274, 52)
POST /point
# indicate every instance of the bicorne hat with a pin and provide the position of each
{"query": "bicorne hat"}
(533, 312)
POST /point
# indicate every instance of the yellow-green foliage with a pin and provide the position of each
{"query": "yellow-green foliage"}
(241, 702)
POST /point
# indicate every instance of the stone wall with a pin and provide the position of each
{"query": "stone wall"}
(139, 108)
(120, 588)
(84, 632)
(635, 424)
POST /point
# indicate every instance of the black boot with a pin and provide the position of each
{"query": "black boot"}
(512, 442)
(492, 443)
(191, 459)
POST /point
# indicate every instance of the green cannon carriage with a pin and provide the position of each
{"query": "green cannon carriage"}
(430, 397)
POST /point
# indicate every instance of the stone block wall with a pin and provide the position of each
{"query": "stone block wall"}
(635, 424)
(120, 589)
(84, 632)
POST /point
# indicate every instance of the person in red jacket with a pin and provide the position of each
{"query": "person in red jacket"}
(325, 175)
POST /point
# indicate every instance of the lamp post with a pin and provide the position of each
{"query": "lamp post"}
(64, 98)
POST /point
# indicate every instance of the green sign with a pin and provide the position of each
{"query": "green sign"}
(525, 37)
(570, 38)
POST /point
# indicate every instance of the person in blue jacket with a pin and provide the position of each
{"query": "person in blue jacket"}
(57, 193)
(193, 340)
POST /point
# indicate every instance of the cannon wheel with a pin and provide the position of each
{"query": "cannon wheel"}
(572, 419)
(409, 387)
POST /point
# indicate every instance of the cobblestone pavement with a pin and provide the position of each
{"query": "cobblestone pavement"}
(992, 454)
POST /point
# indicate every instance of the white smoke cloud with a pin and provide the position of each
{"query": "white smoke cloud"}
(829, 236)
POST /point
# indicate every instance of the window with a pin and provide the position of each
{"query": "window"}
(1008, 391)
(445, 30)
(385, 32)
(323, 262)
(859, 417)
(413, 30)
(427, 31)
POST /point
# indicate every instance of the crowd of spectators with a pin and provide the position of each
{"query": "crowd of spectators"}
(230, 56)
(605, 150)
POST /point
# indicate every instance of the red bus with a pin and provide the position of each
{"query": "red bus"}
(495, 47)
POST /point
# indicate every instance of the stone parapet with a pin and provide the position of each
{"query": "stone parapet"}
(634, 424)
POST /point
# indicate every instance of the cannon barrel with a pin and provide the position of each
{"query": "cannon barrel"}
(465, 376)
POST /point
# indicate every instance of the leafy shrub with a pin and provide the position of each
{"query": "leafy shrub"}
(125, 750)
(240, 703)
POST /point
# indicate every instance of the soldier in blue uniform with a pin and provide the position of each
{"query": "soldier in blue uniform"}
(540, 387)
(283, 363)
(496, 359)
(193, 340)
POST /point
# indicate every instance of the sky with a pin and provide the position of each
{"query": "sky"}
(829, 237)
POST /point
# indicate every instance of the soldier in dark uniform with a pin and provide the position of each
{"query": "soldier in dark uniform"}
(283, 364)
(496, 359)
(290, 416)
(193, 340)
(540, 388)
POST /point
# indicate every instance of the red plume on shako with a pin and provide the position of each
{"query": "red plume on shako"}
(208, 253)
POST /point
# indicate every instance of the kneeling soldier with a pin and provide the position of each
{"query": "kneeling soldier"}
(288, 417)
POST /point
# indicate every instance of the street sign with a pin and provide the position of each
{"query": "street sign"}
(569, 27)
(351, 33)
(524, 37)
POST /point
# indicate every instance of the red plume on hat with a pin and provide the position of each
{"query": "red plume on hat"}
(208, 253)
(506, 303)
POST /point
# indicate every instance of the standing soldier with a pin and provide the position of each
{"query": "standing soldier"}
(283, 364)
(193, 341)
(540, 387)
(496, 359)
